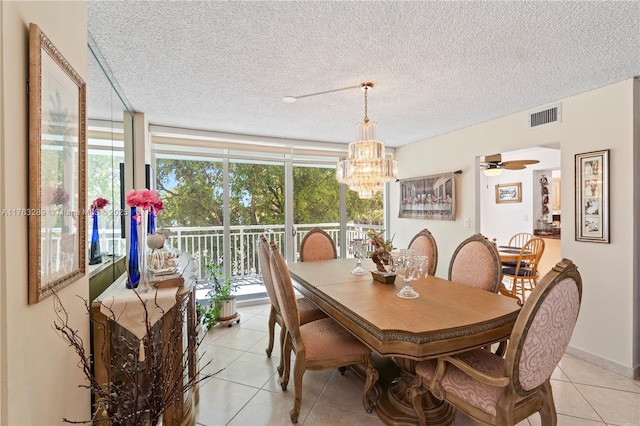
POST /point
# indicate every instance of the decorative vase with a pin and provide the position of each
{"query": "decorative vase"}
(95, 256)
(133, 264)
(145, 273)
(152, 221)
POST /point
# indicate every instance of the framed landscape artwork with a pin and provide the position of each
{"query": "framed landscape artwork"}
(509, 193)
(57, 153)
(428, 197)
(592, 196)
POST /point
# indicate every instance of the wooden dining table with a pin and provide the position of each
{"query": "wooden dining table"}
(447, 318)
(509, 254)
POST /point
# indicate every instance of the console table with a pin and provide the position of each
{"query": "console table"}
(168, 334)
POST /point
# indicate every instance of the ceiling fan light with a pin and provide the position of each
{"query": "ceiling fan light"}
(492, 171)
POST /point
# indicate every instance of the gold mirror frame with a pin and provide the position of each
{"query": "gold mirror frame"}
(57, 169)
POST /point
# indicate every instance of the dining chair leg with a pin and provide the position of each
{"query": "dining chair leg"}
(298, 373)
(272, 327)
(283, 335)
(286, 355)
(548, 415)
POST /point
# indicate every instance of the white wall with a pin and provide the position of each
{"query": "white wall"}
(39, 372)
(501, 221)
(599, 119)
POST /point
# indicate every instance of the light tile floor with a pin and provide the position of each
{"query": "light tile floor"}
(246, 392)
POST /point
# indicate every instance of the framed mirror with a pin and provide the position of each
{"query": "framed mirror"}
(109, 126)
(57, 153)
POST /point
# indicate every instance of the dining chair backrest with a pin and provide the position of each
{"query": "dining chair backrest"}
(476, 263)
(285, 293)
(424, 244)
(526, 265)
(520, 239)
(317, 245)
(544, 326)
(265, 269)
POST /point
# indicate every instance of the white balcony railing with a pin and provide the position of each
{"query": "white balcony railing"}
(207, 242)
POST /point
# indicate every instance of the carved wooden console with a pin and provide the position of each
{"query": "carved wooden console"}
(158, 337)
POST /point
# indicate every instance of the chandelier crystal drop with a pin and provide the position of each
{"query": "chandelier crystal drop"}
(367, 168)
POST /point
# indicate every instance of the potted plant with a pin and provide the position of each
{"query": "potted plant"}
(222, 293)
(381, 256)
(208, 314)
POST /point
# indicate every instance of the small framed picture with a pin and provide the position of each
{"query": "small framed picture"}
(592, 196)
(509, 193)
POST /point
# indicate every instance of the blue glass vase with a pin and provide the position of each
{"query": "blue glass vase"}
(152, 221)
(95, 256)
(133, 265)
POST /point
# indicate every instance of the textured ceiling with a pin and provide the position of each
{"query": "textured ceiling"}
(437, 66)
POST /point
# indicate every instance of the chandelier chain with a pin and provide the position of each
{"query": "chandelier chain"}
(366, 91)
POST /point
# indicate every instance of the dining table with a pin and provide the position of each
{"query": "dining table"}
(445, 319)
(509, 253)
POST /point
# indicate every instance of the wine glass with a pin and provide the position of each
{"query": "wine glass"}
(408, 268)
(423, 266)
(357, 247)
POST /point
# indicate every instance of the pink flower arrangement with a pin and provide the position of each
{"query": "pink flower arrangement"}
(57, 196)
(143, 198)
(156, 207)
(99, 204)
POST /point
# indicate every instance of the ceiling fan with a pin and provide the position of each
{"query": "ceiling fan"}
(493, 164)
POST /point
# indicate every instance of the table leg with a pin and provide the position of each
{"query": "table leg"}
(394, 406)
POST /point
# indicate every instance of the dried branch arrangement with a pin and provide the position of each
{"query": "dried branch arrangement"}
(139, 387)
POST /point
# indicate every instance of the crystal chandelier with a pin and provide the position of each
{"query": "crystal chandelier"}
(366, 168)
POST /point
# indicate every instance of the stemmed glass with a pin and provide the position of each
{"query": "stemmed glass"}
(409, 268)
(423, 266)
(357, 247)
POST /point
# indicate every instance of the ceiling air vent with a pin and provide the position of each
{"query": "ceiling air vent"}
(544, 117)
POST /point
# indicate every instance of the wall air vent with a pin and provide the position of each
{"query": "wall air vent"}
(544, 117)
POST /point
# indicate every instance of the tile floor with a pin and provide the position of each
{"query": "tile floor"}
(246, 392)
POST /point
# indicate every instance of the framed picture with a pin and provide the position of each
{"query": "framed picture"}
(509, 193)
(428, 197)
(592, 196)
(57, 155)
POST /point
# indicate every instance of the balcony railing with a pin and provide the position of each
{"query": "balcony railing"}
(203, 242)
(207, 242)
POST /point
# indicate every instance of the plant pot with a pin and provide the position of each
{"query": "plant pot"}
(384, 277)
(227, 309)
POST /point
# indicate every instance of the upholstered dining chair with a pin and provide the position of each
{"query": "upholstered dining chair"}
(504, 391)
(318, 345)
(476, 263)
(317, 245)
(308, 310)
(525, 269)
(424, 244)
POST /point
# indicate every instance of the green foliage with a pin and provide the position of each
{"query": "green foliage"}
(223, 288)
(188, 190)
(316, 196)
(209, 312)
(192, 192)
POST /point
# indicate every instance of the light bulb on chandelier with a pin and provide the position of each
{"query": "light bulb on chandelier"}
(366, 168)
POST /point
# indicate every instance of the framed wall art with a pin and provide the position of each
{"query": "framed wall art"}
(509, 193)
(592, 196)
(57, 155)
(428, 197)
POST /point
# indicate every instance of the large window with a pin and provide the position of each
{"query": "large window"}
(220, 196)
